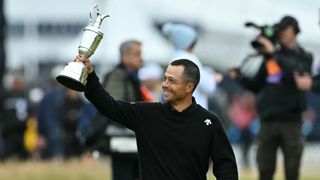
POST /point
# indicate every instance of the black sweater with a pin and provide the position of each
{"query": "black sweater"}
(172, 145)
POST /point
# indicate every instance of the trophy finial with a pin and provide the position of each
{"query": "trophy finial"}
(99, 18)
(95, 6)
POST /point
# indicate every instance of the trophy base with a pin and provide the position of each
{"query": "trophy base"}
(71, 83)
(74, 76)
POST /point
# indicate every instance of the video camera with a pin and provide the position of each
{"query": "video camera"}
(270, 32)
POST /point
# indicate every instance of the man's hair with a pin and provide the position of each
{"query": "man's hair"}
(126, 46)
(289, 21)
(191, 72)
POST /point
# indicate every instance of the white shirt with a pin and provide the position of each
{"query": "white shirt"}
(207, 84)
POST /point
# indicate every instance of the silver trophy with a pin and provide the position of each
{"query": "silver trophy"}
(74, 75)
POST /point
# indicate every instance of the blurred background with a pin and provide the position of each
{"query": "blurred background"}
(39, 37)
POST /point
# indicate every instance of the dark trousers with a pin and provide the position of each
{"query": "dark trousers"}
(13, 146)
(246, 139)
(287, 136)
(124, 168)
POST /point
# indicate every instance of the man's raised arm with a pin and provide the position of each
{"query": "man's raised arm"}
(119, 111)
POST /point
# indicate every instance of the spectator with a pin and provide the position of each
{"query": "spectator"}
(69, 117)
(109, 137)
(184, 38)
(242, 112)
(14, 113)
(151, 77)
(282, 80)
(48, 116)
(123, 83)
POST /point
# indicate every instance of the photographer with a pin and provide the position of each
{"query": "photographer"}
(281, 82)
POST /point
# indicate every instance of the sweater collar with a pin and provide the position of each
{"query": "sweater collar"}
(188, 109)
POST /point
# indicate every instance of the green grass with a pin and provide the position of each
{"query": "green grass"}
(88, 169)
(54, 170)
(252, 174)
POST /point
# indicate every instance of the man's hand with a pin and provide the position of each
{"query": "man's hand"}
(303, 82)
(267, 44)
(85, 61)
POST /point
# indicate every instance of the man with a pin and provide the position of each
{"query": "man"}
(184, 38)
(123, 84)
(175, 139)
(14, 106)
(49, 118)
(69, 118)
(281, 82)
(150, 76)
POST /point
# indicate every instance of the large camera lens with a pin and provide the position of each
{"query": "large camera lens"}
(255, 44)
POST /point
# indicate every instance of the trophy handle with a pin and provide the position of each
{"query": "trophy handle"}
(104, 16)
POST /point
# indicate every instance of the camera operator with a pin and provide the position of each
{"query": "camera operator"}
(281, 82)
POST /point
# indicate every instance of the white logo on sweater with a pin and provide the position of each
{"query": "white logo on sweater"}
(208, 122)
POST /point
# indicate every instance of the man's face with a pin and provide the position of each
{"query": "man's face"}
(287, 36)
(133, 58)
(175, 88)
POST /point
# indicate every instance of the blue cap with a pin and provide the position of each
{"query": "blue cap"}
(181, 36)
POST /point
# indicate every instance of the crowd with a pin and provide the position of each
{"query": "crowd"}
(277, 107)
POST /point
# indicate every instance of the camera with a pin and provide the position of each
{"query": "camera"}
(268, 31)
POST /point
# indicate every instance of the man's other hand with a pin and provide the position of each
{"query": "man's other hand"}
(303, 82)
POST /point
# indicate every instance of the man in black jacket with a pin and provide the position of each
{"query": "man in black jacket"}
(123, 84)
(175, 139)
(281, 82)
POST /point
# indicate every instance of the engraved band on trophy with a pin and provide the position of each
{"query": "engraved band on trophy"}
(74, 75)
